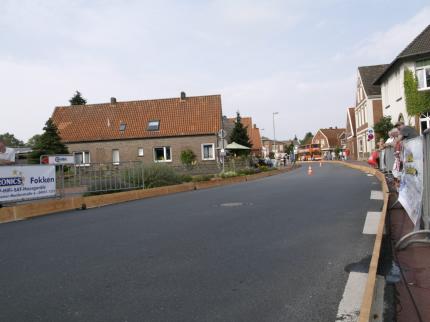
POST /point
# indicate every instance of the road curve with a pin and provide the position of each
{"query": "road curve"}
(275, 249)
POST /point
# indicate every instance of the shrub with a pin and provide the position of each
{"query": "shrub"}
(159, 175)
(188, 158)
(248, 171)
(186, 178)
(228, 174)
(205, 177)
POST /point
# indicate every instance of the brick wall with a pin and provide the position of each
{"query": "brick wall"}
(101, 152)
(377, 111)
(319, 138)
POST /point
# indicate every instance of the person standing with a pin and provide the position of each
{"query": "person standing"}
(7, 155)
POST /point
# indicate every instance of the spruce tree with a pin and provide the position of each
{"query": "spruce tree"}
(77, 99)
(239, 134)
(49, 143)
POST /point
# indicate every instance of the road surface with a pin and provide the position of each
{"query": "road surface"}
(275, 249)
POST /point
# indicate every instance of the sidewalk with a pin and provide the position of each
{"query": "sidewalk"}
(413, 290)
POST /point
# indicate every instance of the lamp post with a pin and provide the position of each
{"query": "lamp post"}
(263, 149)
(274, 133)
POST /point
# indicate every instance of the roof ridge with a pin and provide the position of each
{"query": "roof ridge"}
(413, 42)
(136, 101)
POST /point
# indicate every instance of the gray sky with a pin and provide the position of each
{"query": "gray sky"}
(298, 58)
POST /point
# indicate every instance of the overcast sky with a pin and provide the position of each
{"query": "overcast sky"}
(295, 57)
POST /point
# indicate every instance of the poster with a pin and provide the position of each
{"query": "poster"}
(411, 182)
(19, 183)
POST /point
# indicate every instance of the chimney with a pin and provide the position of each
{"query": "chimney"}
(183, 96)
(113, 100)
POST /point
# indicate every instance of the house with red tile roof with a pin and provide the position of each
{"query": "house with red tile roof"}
(329, 139)
(155, 130)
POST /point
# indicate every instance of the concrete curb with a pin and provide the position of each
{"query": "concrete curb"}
(366, 313)
(20, 212)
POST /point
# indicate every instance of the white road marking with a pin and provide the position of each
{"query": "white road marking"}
(370, 175)
(376, 195)
(372, 222)
(349, 306)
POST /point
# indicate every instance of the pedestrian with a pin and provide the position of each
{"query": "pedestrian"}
(407, 132)
(397, 167)
(7, 155)
(381, 149)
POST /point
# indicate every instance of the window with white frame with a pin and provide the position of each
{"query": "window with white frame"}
(422, 70)
(424, 121)
(162, 154)
(208, 151)
(140, 152)
(82, 157)
(115, 156)
(154, 125)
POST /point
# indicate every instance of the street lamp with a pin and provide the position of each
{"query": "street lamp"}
(274, 135)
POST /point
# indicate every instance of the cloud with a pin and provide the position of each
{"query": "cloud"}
(384, 46)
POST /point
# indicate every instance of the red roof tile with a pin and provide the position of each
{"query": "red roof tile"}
(197, 115)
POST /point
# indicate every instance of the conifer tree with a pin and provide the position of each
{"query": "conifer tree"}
(77, 99)
(49, 143)
(239, 134)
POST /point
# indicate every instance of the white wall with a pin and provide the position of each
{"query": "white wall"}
(393, 94)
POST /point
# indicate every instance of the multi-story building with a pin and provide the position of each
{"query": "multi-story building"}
(416, 58)
(368, 108)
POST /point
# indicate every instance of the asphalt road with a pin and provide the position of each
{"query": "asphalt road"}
(276, 249)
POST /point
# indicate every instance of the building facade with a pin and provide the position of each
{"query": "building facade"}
(329, 140)
(350, 134)
(368, 109)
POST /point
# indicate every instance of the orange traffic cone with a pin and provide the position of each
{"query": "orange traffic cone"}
(310, 172)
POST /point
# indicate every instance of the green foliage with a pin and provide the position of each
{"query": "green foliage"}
(33, 141)
(307, 139)
(383, 127)
(48, 143)
(248, 171)
(289, 148)
(10, 140)
(417, 102)
(337, 151)
(186, 178)
(77, 99)
(228, 174)
(159, 175)
(188, 158)
(271, 155)
(239, 135)
(203, 177)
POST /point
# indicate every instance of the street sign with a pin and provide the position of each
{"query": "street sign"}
(57, 159)
(222, 133)
(370, 134)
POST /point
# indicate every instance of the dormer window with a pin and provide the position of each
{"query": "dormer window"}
(153, 125)
(122, 127)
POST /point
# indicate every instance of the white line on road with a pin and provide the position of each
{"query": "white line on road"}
(349, 306)
(370, 175)
(376, 195)
(372, 222)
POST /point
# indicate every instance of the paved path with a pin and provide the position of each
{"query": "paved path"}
(276, 249)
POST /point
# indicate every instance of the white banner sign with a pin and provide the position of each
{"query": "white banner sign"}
(411, 182)
(26, 182)
(57, 159)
